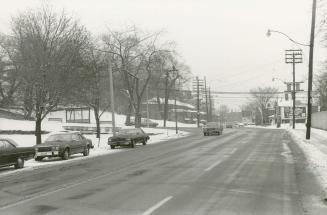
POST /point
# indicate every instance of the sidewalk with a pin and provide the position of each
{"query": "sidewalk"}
(315, 151)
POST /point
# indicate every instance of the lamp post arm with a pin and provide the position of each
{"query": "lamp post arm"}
(288, 37)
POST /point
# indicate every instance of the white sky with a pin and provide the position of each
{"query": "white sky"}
(224, 40)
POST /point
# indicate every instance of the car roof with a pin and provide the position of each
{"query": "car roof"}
(10, 140)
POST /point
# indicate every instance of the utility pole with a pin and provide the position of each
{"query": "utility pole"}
(210, 105)
(312, 38)
(293, 56)
(175, 107)
(112, 99)
(166, 99)
(198, 100)
(206, 96)
(147, 106)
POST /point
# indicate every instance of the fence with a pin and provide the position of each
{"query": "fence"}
(319, 120)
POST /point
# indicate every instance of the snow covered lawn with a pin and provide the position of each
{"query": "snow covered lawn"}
(100, 145)
(315, 151)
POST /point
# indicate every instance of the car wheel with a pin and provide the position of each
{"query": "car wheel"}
(65, 155)
(19, 163)
(132, 144)
(144, 142)
(86, 151)
(112, 146)
(38, 158)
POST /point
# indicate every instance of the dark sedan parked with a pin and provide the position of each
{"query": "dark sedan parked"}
(128, 137)
(11, 154)
(63, 145)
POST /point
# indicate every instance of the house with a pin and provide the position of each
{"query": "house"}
(186, 113)
(82, 119)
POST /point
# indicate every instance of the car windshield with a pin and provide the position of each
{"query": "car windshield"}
(212, 124)
(59, 137)
(127, 131)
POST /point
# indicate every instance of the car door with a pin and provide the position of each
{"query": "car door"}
(78, 143)
(2, 153)
(7, 152)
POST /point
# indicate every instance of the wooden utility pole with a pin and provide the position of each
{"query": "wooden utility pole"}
(112, 100)
(198, 100)
(166, 99)
(293, 56)
(210, 105)
(312, 39)
(206, 96)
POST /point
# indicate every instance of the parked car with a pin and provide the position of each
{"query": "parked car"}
(144, 122)
(229, 125)
(11, 154)
(128, 137)
(63, 144)
(212, 128)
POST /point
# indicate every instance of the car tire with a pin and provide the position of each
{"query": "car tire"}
(38, 158)
(144, 142)
(112, 147)
(86, 151)
(65, 155)
(19, 163)
(132, 144)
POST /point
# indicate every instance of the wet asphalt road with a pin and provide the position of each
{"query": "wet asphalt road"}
(244, 171)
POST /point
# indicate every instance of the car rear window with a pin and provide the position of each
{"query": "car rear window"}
(59, 137)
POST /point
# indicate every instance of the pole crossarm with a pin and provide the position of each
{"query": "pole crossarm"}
(288, 37)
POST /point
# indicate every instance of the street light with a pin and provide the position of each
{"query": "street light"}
(311, 46)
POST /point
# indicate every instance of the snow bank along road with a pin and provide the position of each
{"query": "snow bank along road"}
(244, 171)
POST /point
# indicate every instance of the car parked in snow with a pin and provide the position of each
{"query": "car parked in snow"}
(63, 144)
(128, 137)
(11, 154)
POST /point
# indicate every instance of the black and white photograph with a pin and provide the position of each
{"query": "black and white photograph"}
(163, 107)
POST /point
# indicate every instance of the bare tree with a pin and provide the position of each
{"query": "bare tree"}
(321, 85)
(48, 47)
(135, 55)
(261, 97)
(9, 69)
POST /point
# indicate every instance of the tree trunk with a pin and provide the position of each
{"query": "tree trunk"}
(159, 107)
(138, 115)
(38, 129)
(97, 121)
(129, 113)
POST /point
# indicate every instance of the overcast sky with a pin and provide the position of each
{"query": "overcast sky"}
(224, 40)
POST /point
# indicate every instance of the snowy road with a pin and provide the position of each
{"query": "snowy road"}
(244, 171)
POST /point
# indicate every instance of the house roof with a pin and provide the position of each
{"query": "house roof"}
(171, 102)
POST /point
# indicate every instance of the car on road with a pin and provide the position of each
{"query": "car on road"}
(63, 144)
(212, 128)
(128, 137)
(229, 125)
(11, 154)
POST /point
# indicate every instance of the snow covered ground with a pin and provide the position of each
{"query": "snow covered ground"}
(315, 151)
(159, 135)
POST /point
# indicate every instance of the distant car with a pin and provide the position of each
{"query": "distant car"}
(128, 137)
(63, 145)
(229, 125)
(212, 128)
(144, 122)
(11, 154)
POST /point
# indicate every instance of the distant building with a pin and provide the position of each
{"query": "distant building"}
(186, 113)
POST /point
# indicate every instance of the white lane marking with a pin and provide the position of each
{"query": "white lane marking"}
(213, 165)
(156, 206)
(58, 189)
